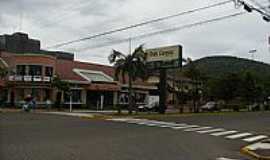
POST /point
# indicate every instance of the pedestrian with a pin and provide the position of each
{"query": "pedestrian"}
(27, 103)
(33, 102)
(48, 104)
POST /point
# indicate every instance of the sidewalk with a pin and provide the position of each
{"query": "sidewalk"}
(259, 151)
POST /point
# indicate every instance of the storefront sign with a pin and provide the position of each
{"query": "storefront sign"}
(164, 57)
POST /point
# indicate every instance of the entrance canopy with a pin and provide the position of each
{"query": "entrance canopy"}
(94, 76)
(99, 81)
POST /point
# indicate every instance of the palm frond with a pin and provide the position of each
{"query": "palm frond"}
(115, 55)
(139, 53)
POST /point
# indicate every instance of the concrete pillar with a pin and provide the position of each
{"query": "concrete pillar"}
(115, 98)
(84, 96)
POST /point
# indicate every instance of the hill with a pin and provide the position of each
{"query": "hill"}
(216, 66)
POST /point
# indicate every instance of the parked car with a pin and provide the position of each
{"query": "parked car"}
(210, 106)
(254, 107)
(152, 107)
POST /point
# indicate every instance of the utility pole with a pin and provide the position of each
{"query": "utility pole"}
(129, 46)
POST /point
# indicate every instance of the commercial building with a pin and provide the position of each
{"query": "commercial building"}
(31, 71)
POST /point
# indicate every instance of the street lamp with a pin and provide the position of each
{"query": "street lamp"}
(252, 52)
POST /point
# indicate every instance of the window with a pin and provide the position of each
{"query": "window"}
(21, 70)
(20, 94)
(35, 70)
(76, 96)
(47, 94)
(49, 71)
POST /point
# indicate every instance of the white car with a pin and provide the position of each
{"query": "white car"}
(149, 107)
(210, 106)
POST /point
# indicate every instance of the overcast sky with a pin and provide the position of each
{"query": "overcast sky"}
(56, 21)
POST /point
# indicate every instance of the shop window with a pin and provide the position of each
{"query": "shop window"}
(35, 70)
(36, 93)
(140, 98)
(21, 70)
(47, 94)
(76, 96)
(49, 71)
(123, 98)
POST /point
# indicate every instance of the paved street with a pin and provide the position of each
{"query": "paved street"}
(41, 136)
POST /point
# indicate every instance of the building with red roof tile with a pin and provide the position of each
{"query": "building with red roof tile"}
(31, 71)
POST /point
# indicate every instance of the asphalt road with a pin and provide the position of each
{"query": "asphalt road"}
(31, 136)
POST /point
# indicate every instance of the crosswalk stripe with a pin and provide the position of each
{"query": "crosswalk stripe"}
(255, 138)
(197, 129)
(223, 133)
(211, 130)
(172, 125)
(233, 134)
(240, 135)
(184, 127)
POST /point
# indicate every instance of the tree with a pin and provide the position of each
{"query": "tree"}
(249, 88)
(3, 72)
(62, 87)
(133, 65)
(196, 77)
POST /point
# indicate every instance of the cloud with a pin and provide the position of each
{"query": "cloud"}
(63, 20)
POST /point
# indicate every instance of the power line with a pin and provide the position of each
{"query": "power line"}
(260, 6)
(250, 8)
(60, 16)
(139, 24)
(188, 26)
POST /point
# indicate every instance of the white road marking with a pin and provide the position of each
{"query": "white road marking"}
(223, 133)
(190, 128)
(163, 123)
(172, 125)
(212, 130)
(255, 138)
(240, 135)
(197, 129)
(257, 146)
(222, 158)
(119, 119)
(183, 127)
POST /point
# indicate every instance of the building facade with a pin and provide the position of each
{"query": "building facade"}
(31, 72)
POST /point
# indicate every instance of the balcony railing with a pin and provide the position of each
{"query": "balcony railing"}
(18, 78)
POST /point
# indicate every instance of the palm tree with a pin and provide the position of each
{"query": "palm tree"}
(132, 65)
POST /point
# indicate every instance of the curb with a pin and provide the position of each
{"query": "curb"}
(95, 117)
(250, 153)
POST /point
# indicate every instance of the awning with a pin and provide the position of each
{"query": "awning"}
(94, 76)
(103, 87)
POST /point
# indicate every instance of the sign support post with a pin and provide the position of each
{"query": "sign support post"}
(161, 59)
(163, 91)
